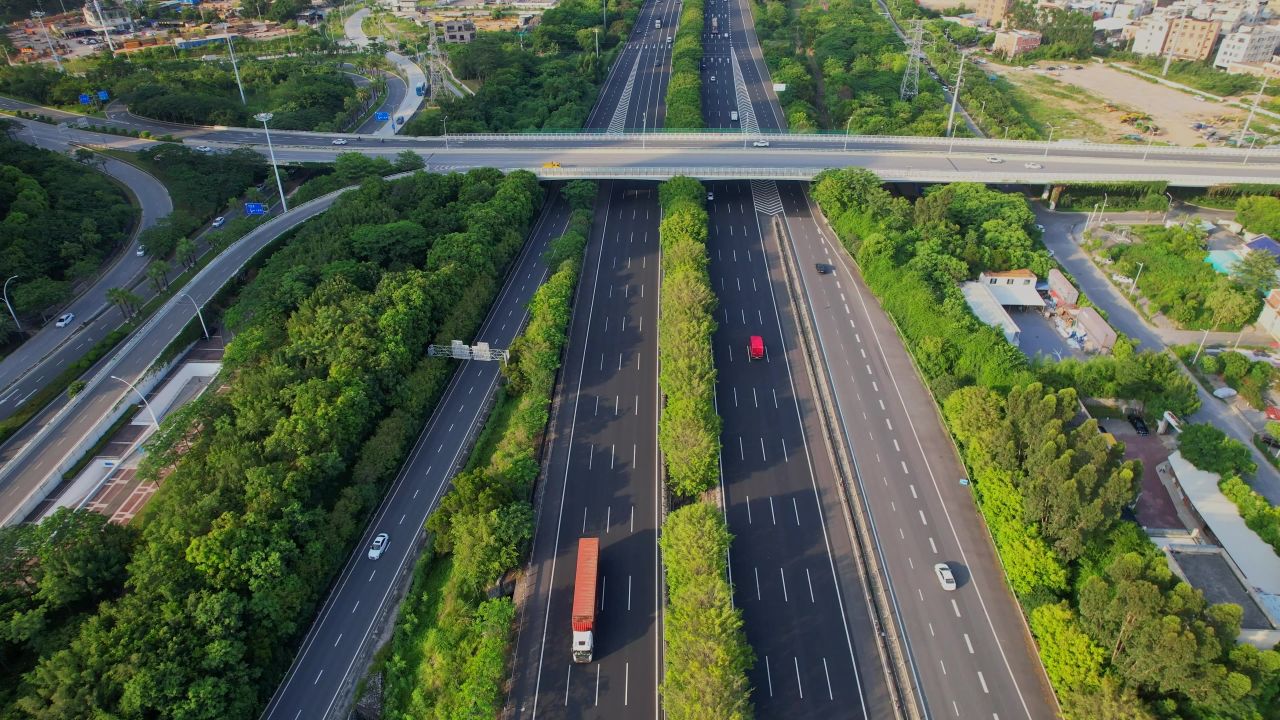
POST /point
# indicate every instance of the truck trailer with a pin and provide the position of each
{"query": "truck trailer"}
(585, 581)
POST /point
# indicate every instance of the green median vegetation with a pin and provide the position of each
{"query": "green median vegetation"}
(448, 655)
(267, 484)
(689, 428)
(684, 91)
(707, 656)
(1118, 634)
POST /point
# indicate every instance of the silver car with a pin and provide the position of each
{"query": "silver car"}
(379, 546)
(945, 578)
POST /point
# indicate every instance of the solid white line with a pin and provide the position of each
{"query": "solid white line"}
(597, 684)
(626, 685)
(826, 672)
(566, 691)
(783, 575)
(772, 514)
(757, 573)
(768, 675)
(799, 684)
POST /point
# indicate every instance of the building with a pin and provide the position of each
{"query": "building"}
(1012, 43)
(1269, 318)
(459, 31)
(101, 17)
(992, 11)
(1191, 39)
(1061, 289)
(1012, 288)
(988, 310)
(1150, 36)
(1270, 68)
(1250, 44)
(1264, 243)
(401, 6)
(1097, 335)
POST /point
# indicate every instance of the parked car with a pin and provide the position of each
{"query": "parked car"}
(65, 320)
(945, 578)
(1139, 425)
(379, 546)
(219, 221)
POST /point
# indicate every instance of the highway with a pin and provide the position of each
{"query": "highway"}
(602, 472)
(409, 101)
(792, 562)
(322, 673)
(50, 349)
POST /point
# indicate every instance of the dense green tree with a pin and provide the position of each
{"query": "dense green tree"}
(1208, 448)
(1259, 213)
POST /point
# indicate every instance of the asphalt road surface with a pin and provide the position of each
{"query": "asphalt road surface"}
(602, 477)
(322, 669)
(409, 101)
(50, 349)
(970, 651)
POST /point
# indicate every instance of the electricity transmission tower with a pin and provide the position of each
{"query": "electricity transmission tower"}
(435, 56)
(915, 51)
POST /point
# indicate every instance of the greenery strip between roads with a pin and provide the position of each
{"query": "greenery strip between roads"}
(684, 92)
(448, 655)
(1119, 635)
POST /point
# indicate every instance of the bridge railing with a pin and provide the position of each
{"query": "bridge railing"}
(1011, 176)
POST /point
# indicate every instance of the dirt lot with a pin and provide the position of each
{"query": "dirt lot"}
(1078, 100)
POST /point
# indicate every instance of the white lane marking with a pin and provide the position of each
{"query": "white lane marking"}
(984, 683)
(783, 575)
(566, 686)
(771, 512)
(955, 607)
(597, 684)
(353, 609)
(933, 546)
(796, 507)
(968, 643)
(317, 680)
(827, 672)
(628, 593)
(809, 580)
(922, 520)
(799, 684)
(757, 574)
(335, 642)
(626, 684)
(748, 509)
(944, 666)
(768, 675)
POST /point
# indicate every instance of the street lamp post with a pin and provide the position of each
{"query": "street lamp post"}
(847, 125)
(144, 400)
(199, 314)
(955, 100)
(6, 302)
(232, 49)
(1050, 140)
(1006, 132)
(644, 128)
(446, 130)
(265, 118)
(1199, 349)
(1167, 208)
(1134, 289)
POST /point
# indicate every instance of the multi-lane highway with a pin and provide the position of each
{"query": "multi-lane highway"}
(792, 562)
(322, 673)
(602, 469)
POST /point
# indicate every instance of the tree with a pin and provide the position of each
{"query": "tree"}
(1259, 213)
(1209, 449)
(158, 274)
(127, 301)
(1229, 307)
(185, 252)
(1256, 272)
(580, 194)
(75, 388)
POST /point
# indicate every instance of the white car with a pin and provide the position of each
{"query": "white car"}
(1040, 227)
(141, 251)
(713, 78)
(65, 320)
(710, 195)
(993, 159)
(760, 143)
(219, 222)
(379, 546)
(339, 141)
(1032, 166)
(204, 149)
(945, 578)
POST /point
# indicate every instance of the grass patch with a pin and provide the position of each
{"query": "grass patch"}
(1043, 101)
(499, 417)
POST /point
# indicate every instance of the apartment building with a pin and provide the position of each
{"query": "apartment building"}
(1150, 35)
(1012, 43)
(1249, 44)
(1191, 39)
(992, 11)
(459, 31)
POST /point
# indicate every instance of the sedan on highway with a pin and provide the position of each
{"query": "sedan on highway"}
(339, 141)
(1032, 166)
(204, 149)
(65, 320)
(945, 578)
(760, 143)
(823, 268)
(993, 159)
(379, 546)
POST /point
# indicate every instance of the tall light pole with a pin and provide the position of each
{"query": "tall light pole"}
(1252, 109)
(846, 132)
(199, 314)
(446, 130)
(144, 400)
(1134, 289)
(106, 31)
(236, 68)
(6, 302)
(264, 118)
(1167, 208)
(39, 16)
(1168, 58)
(1151, 140)
(644, 128)
(1048, 142)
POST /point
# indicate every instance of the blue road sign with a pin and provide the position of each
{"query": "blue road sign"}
(382, 116)
(251, 208)
(102, 95)
(85, 99)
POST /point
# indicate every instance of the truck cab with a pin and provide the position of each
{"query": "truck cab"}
(755, 348)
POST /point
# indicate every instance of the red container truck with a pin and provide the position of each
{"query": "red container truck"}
(585, 581)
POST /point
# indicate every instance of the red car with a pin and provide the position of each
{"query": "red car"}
(755, 348)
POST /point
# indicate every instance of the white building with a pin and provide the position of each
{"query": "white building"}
(102, 15)
(1013, 288)
(1151, 35)
(988, 310)
(1249, 44)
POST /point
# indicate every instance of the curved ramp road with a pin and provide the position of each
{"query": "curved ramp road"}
(410, 101)
(46, 353)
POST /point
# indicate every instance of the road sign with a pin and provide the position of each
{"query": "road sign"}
(103, 96)
(85, 99)
(251, 208)
(382, 116)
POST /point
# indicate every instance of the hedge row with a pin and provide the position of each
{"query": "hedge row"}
(689, 429)
(707, 656)
(1261, 516)
(684, 92)
(449, 650)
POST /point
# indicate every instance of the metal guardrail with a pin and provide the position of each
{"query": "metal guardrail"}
(897, 175)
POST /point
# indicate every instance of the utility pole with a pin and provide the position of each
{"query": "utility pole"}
(106, 31)
(39, 16)
(955, 99)
(264, 118)
(6, 303)
(1252, 109)
(232, 48)
(911, 76)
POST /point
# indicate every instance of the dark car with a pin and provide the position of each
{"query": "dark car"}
(1269, 441)
(824, 269)
(1139, 425)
